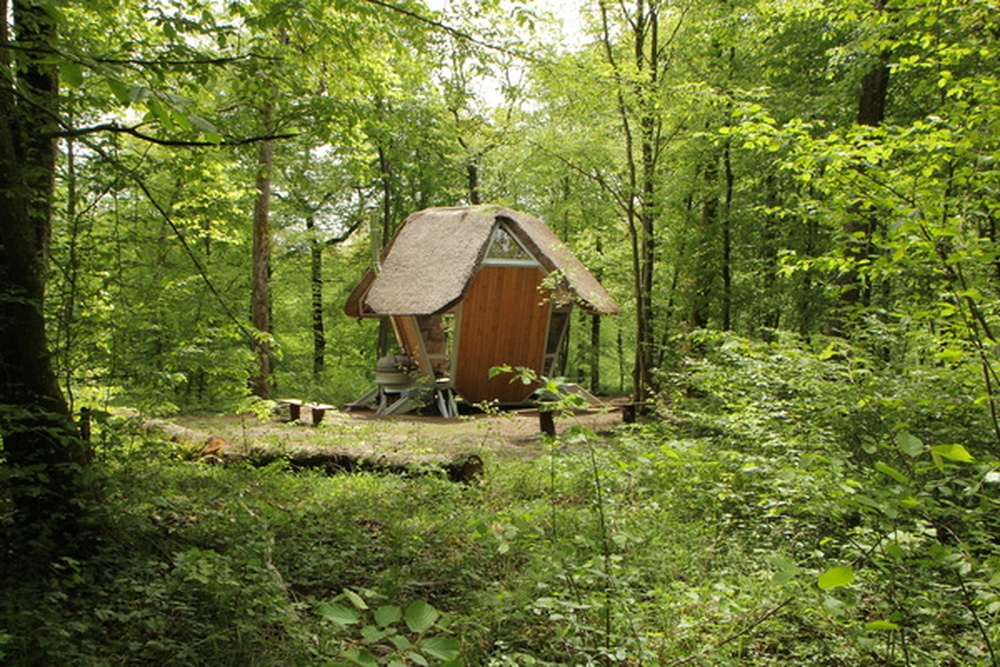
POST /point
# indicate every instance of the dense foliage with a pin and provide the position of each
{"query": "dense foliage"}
(717, 166)
(791, 507)
(795, 202)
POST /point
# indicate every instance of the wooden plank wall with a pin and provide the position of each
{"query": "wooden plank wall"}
(503, 322)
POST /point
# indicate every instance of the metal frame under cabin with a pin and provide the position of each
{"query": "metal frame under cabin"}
(439, 367)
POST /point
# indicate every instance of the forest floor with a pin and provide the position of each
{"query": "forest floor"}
(405, 439)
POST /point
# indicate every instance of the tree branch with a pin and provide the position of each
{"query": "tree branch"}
(115, 128)
(183, 63)
(347, 234)
(141, 62)
(454, 32)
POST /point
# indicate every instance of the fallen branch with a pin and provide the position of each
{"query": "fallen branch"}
(463, 468)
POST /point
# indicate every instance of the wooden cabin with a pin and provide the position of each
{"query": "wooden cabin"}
(470, 288)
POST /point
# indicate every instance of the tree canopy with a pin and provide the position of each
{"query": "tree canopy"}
(190, 190)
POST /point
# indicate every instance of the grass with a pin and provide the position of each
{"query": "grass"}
(698, 540)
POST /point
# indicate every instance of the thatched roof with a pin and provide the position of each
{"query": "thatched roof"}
(428, 265)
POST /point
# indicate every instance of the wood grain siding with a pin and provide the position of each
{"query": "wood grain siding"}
(503, 322)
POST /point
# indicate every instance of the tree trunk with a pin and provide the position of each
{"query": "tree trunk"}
(595, 353)
(641, 206)
(472, 174)
(649, 207)
(595, 336)
(260, 302)
(64, 344)
(768, 314)
(385, 333)
(316, 271)
(709, 217)
(727, 241)
(44, 454)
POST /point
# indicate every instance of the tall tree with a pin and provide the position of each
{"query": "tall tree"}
(41, 444)
(638, 79)
(260, 300)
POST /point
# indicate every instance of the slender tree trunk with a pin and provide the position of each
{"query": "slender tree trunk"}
(472, 174)
(385, 333)
(649, 208)
(709, 218)
(260, 301)
(65, 338)
(595, 339)
(316, 272)
(595, 353)
(727, 241)
(770, 316)
(45, 457)
(641, 214)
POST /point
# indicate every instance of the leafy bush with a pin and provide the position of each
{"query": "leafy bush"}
(792, 505)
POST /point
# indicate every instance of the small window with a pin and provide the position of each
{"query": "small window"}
(505, 249)
(557, 327)
(558, 324)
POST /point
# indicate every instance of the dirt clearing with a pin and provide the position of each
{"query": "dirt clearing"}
(402, 439)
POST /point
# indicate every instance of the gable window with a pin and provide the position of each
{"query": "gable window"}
(506, 250)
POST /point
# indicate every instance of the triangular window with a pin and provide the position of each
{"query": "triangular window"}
(504, 249)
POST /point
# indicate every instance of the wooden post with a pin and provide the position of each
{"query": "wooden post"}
(318, 410)
(547, 423)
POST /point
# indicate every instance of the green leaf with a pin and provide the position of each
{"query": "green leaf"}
(420, 616)
(71, 74)
(120, 91)
(909, 444)
(835, 577)
(355, 599)
(887, 469)
(388, 615)
(161, 112)
(340, 614)
(202, 125)
(182, 120)
(442, 648)
(499, 370)
(952, 453)
(785, 570)
(881, 625)
(360, 656)
(372, 634)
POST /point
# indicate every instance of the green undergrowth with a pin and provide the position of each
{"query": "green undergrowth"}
(789, 508)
